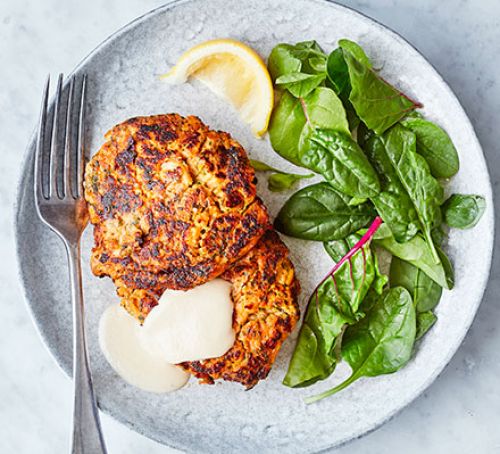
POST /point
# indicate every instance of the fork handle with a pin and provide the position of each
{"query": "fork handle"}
(87, 435)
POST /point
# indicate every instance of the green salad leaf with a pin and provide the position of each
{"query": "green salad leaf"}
(425, 292)
(294, 119)
(342, 163)
(382, 342)
(417, 252)
(319, 212)
(278, 182)
(260, 166)
(425, 321)
(463, 211)
(338, 73)
(337, 249)
(393, 203)
(434, 144)
(378, 104)
(356, 51)
(337, 69)
(300, 84)
(413, 171)
(292, 58)
(334, 304)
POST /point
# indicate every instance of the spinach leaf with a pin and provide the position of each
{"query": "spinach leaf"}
(333, 305)
(322, 109)
(318, 64)
(378, 104)
(463, 211)
(338, 73)
(300, 84)
(283, 61)
(278, 182)
(382, 342)
(424, 291)
(318, 212)
(417, 252)
(425, 321)
(288, 58)
(260, 166)
(285, 128)
(294, 119)
(414, 174)
(434, 144)
(342, 163)
(438, 235)
(393, 203)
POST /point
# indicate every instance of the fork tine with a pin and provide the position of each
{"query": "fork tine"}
(54, 145)
(80, 145)
(68, 180)
(40, 140)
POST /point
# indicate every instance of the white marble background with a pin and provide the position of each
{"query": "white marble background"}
(459, 413)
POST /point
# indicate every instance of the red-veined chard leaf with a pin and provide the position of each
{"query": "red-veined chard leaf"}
(337, 69)
(333, 305)
(378, 104)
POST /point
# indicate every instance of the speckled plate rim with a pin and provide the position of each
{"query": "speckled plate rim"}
(27, 164)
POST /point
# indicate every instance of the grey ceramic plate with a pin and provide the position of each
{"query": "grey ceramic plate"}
(123, 83)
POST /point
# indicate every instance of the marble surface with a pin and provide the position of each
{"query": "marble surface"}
(459, 412)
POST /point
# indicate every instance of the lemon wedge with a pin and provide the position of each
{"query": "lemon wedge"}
(233, 71)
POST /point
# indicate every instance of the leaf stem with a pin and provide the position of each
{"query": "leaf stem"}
(340, 387)
(362, 241)
(304, 109)
(430, 243)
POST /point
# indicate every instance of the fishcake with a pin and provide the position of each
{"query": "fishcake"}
(173, 204)
(264, 293)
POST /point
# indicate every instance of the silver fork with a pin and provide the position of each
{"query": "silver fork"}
(59, 167)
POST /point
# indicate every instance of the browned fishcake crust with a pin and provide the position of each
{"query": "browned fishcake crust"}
(173, 204)
(264, 293)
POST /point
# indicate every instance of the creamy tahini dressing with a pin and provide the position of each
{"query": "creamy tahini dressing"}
(119, 337)
(192, 325)
(185, 326)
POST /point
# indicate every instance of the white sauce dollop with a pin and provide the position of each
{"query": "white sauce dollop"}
(185, 326)
(191, 325)
(119, 337)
